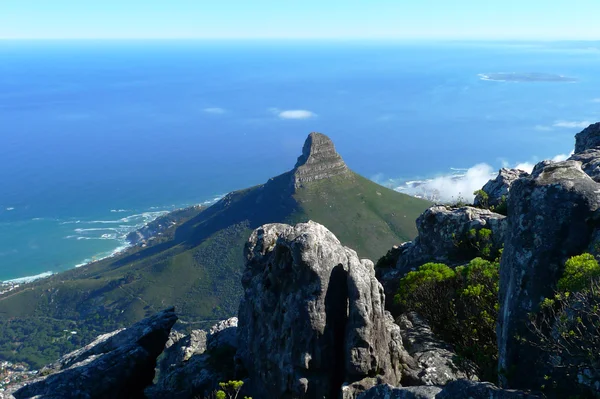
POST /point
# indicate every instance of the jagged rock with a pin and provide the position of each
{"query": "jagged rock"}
(116, 365)
(180, 348)
(211, 362)
(551, 216)
(588, 138)
(445, 237)
(312, 317)
(481, 390)
(590, 162)
(319, 160)
(386, 391)
(435, 359)
(497, 189)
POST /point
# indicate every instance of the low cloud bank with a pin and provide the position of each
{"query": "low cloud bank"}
(458, 185)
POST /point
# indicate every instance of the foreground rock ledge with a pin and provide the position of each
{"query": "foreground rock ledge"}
(312, 318)
(116, 365)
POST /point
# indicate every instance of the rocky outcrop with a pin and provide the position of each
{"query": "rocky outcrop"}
(312, 318)
(197, 363)
(435, 360)
(180, 348)
(116, 365)
(459, 389)
(386, 391)
(481, 390)
(446, 235)
(590, 162)
(319, 160)
(497, 189)
(588, 138)
(551, 216)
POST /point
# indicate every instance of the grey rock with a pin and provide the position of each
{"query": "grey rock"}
(442, 229)
(498, 188)
(210, 361)
(551, 216)
(181, 350)
(312, 317)
(386, 391)
(319, 160)
(436, 360)
(590, 162)
(588, 138)
(480, 390)
(116, 365)
(444, 236)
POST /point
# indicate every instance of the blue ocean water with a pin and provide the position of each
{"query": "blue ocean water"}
(96, 137)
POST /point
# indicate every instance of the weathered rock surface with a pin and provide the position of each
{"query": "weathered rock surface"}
(319, 160)
(116, 365)
(590, 162)
(210, 361)
(386, 391)
(481, 390)
(588, 138)
(180, 348)
(445, 237)
(551, 216)
(312, 317)
(497, 189)
(435, 359)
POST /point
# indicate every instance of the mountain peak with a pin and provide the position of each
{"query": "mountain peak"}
(319, 160)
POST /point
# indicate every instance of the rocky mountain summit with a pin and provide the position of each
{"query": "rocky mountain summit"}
(319, 160)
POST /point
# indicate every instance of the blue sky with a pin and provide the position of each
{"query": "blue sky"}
(346, 19)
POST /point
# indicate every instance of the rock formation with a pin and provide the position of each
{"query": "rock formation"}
(319, 160)
(312, 317)
(445, 236)
(115, 365)
(588, 138)
(497, 189)
(551, 216)
(434, 360)
(194, 365)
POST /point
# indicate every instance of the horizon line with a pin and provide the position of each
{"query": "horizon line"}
(443, 39)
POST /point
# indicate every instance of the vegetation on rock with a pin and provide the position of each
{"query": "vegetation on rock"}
(461, 306)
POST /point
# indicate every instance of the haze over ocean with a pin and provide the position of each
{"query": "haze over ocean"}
(97, 137)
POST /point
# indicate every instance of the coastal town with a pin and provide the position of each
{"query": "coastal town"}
(14, 373)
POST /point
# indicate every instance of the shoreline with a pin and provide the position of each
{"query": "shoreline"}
(124, 245)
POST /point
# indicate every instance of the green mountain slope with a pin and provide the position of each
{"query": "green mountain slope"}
(197, 263)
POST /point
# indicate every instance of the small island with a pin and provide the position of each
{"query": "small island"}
(525, 77)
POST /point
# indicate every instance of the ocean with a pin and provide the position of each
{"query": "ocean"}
(99, 137)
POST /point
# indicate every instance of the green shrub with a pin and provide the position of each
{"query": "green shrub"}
(579, 271)
(460, 305)
(483, 198)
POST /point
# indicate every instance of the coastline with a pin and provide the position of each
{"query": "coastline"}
(124, 244)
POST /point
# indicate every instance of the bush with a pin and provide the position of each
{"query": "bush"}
(460, 305)
(567, 326)
(579, 271)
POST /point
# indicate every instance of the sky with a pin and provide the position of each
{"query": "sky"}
(306, 19)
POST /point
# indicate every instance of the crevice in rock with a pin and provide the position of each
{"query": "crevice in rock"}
(336, 310)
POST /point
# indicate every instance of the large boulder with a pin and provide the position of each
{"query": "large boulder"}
(497, 189)
(116, 365)
(436, 361)
(197, 363)
(590, 162)
(551, 217)
(588, 138)
(312, 318)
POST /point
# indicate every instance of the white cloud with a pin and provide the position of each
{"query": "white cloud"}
(596, 100)
(572, 124)
(214, 110)
(459, 185)
(296, 114)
